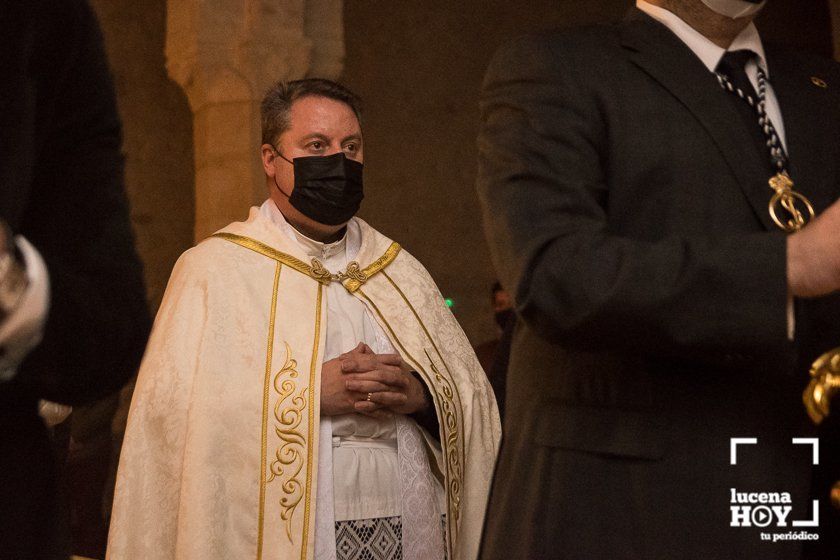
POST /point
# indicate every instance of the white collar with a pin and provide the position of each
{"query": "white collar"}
(708, 52)
(351, 241)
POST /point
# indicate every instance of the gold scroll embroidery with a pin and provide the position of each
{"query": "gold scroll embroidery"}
(288, 414)
(450, 417)
(288, 458)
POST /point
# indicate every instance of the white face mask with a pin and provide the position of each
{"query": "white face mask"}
(734, 8)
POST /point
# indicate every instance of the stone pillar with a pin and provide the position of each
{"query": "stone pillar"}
(225, 54)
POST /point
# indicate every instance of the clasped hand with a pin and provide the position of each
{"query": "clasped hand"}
(369, 383)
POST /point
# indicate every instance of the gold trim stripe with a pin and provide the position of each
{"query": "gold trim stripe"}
(268, 358)
(351, 284)
(312, 370)
(270, 252)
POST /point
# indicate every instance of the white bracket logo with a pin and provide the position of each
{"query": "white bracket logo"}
(760, 509)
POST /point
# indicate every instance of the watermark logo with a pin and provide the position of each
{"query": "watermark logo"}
(771, 509)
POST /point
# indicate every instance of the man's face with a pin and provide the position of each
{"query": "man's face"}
(318, 126)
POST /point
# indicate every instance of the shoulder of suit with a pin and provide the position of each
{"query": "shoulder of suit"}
(579, 47)
(596, 37)
(801, 59)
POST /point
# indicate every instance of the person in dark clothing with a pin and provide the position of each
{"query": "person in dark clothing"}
(632, 179)
(494, 354)
(502, 311)
(73, 314)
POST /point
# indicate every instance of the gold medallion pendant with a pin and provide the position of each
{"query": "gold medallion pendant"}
(784, 202)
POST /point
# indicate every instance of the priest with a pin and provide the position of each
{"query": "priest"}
(305, 393)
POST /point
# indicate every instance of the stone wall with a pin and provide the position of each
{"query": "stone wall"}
(157, 135)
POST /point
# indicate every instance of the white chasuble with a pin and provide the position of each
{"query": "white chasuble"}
(221, 453)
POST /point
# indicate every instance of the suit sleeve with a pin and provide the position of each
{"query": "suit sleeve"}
(78, 219)
(544, 191)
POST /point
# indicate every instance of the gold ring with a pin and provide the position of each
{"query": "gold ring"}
(368, 397)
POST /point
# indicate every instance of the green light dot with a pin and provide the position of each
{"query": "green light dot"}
(449, 302)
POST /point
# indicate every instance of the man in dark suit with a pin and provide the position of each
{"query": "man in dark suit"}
(70, 276)
(625, 187)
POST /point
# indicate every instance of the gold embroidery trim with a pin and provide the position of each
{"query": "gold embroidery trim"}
(453, 458)
(264, 437)
(270, 252)
(312, 371)
(352, 278)
(455, 483)
(354, 283)
(288, 460)
(442, 394)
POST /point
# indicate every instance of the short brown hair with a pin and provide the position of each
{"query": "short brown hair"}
(277, 103)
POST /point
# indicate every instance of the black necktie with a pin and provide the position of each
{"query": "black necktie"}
(732, 67)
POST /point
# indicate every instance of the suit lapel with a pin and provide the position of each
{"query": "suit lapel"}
(664, 57)
(809, 132)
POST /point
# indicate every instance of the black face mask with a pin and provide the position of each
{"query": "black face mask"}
(328, 189)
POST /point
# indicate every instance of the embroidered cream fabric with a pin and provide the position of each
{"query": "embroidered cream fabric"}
(221, 450)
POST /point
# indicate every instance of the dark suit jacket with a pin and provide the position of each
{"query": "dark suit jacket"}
(626, 200)
(61, 187)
